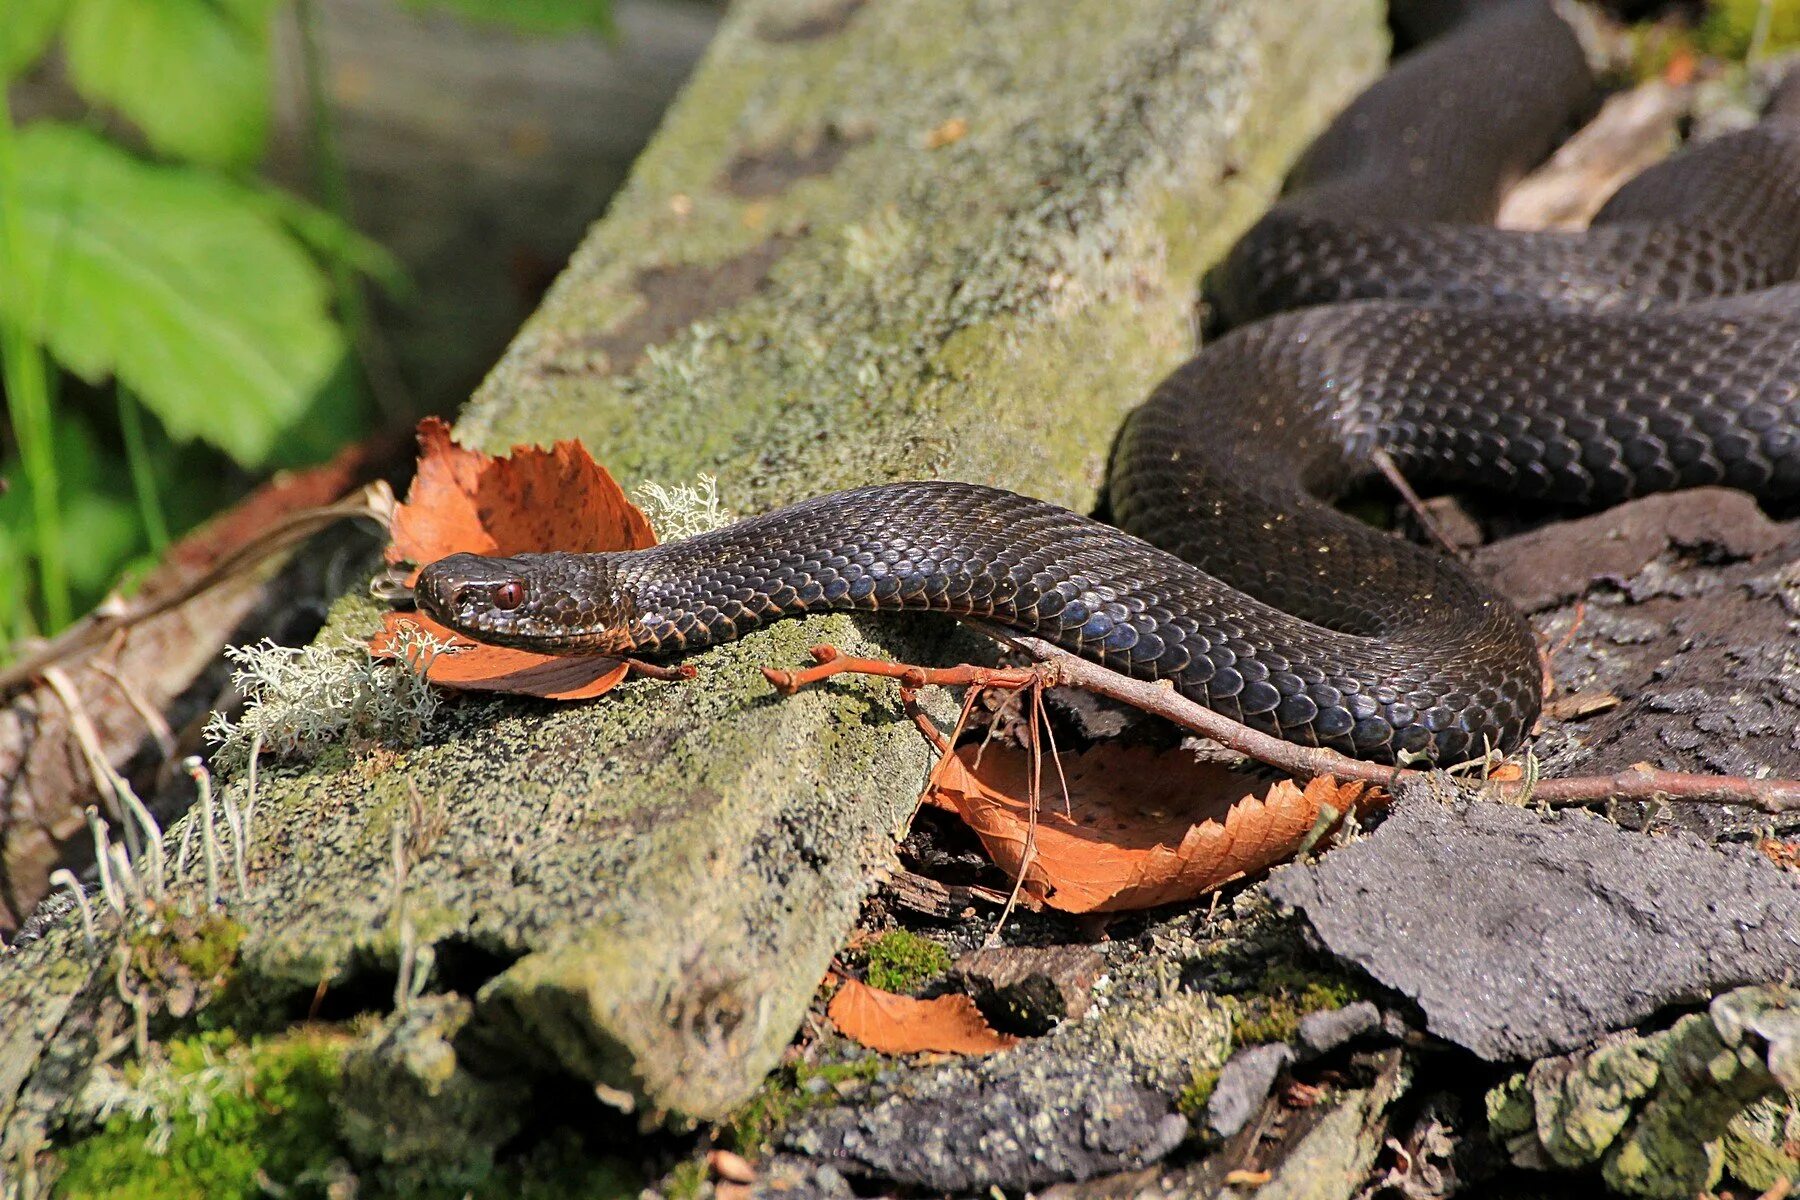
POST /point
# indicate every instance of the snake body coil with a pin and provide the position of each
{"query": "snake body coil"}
(1660, 349)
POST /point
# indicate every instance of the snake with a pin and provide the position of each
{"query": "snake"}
(1377, 319)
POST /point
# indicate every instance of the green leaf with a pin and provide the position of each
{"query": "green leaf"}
(26, 27)
(192, 74)
(531, 16)
(176, 281)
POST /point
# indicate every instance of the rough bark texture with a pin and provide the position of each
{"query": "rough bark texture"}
(942, 237)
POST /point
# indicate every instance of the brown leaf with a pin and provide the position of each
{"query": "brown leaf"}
(533, 499)
(1143, 828)
(530, 500)
(891, 1024)
(473, 667)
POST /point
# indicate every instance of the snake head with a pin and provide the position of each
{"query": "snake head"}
(548, 603)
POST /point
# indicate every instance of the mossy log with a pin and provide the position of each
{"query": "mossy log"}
(951, 238)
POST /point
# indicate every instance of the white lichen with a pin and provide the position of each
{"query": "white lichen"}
(160, 1094)
(297, 701)
(683, 510)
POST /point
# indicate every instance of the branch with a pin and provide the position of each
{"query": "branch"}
(1057, 666)
(115, 616)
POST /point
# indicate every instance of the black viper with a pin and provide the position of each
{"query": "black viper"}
(1657, 350)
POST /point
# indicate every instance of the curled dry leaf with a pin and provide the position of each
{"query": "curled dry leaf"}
(530, 500)
(894, 1024)
(1143, 827)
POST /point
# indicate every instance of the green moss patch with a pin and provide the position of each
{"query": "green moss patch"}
(218, 1117)
(790, 1091)
(1284, 996)
(213, 1118)
(900, 961)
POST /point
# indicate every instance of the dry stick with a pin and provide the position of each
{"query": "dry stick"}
(1390, 471)
(1637, 782)
(373, 501)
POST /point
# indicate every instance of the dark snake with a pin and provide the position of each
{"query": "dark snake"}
(1377, 312)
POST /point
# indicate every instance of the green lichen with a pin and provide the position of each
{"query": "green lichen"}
(900, 961)
(1663, 1114)
(791, 1090)
(1762, 1143)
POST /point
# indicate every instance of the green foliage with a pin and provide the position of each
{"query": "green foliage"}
(176, 281)
(530, 16)
(97, 523)
(1737, 28)
(26, 27)
(900, 961)
(223, 306)
(192, 74)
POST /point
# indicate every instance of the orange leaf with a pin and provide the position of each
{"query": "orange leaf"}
(474, 667)
(533, 499)
(891, 1024)
(1143, 828)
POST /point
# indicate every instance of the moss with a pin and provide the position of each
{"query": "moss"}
(179, 947)
(900, 961)
(1285, 995)
(1730, 27)
(1193, 1099)
(791, 1090)
(687, 1181)
(214, 1118)
(219, 1117)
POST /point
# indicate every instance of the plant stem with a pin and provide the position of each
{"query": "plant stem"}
(143, 477)
(27, 382)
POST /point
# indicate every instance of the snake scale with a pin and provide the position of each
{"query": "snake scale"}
(1376, 312)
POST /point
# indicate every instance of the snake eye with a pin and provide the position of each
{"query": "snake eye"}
(509, 595)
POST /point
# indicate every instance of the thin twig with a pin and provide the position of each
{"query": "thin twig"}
(1637, 782)
(1430, 524)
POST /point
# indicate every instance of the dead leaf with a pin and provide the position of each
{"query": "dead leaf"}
(1143, 828)
(473, 667)
(1782, 854)
(893, 1024)
(530, 500)
(949, 133)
